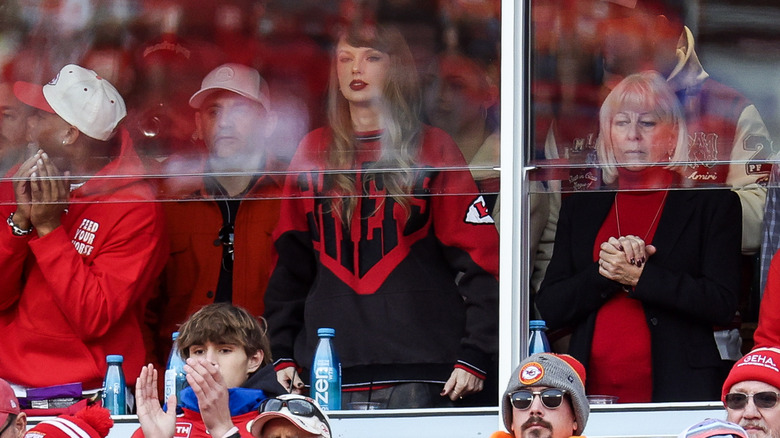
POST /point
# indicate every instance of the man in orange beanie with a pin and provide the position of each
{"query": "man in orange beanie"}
(545, 398)
(751, 392)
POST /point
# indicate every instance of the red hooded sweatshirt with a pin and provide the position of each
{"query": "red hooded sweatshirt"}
(77, 294)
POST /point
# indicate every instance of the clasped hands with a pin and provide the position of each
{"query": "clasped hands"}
(623, 259)
(42, 194)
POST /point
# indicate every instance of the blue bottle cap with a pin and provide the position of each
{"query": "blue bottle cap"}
(326, 332)
(537, 324)
(115, 358)
(175, 336)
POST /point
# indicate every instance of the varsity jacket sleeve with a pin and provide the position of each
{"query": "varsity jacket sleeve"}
(750, 152)
(767, 333)
(544, 245)
(95, 292)
(471, 247)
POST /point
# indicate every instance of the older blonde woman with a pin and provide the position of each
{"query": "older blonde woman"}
(642, 273)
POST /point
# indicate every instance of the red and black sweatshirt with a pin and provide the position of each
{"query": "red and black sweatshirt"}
(411, 292)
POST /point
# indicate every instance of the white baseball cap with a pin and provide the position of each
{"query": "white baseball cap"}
(237, 78)
(80, 97)
(299, 410)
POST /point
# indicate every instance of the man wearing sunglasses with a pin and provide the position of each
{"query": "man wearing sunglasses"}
(290, 415)
(751, 391)
(545, 398)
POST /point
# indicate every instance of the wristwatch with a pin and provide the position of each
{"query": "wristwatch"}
(15, 230)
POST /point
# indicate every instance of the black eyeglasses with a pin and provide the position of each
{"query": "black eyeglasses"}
(551, 398)
(301, 407)
(764, 400)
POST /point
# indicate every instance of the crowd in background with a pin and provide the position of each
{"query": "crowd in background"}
(156, 52)
(166, 58)
(205, 105)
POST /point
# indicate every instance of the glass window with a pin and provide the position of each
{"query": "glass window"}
(717, 58)
(368, 145)
(623, 92)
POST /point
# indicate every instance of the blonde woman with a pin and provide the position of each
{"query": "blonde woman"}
(383, 236)
(643, 273)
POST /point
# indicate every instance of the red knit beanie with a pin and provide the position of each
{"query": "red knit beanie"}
(574, 363)
(91, 422)
(761, 364)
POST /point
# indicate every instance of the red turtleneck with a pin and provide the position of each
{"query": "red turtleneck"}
(620, 359)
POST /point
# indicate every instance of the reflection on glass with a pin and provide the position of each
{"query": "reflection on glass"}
(13, 129)
(460, 98)
(636, 267)
(729, 142)
(714, 64)
(220, 162)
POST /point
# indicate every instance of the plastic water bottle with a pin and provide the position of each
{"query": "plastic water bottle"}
(326, 372)
(175, 377)
(114, 389)
(537, 341)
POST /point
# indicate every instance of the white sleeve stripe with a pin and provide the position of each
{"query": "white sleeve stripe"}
(70, 428)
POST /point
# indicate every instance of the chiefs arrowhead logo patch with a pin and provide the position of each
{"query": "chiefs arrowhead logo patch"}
(531, 373)
(478, 212)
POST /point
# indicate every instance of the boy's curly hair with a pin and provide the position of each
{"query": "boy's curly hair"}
(224, 323)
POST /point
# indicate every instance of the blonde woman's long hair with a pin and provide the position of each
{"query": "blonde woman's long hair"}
(401, 133)
(647, 89)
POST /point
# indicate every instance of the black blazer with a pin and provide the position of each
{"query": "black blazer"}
(690, 284)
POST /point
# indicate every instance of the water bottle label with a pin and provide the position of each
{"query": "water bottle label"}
(114, 399)
(323, 376)
(326, 387)
(326, 377)
(170, 383)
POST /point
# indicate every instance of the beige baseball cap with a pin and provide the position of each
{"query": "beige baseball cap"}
(237, 78)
